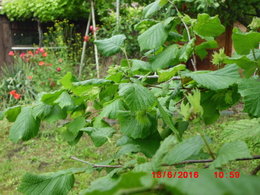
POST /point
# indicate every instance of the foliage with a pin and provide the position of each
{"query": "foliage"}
(129, 18)
(152, 117)
(44, 10)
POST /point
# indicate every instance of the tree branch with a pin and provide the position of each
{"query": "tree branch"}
(155, 77)
(95, 165)
(181, 163)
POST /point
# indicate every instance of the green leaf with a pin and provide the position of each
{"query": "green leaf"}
(147, 146)
(231, 151)
(56, 114)
(242, 129)
(214, 101)
(111, 186)
(250, 91)
(168, 119)
(207, 183)
(136, 96)
(12, 113)
(67, 80)
(184, 150)
(73, 128)
(60, 182)
(64, 100)
(92, 82)
(201, 50)
(170, 56)
(245, 63)
(25, 126)
(99, 136)
(141, 65)
(165, 75)
(166, 145)
(137, 125)
(153, 38)
(207, 26)
(49, 98)
(219, 79)
(110, 46)
(187, 50)
(41, 110)
(152, 8)
(111, 110)
(244, 42)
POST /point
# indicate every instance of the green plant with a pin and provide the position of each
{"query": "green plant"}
(129, 17)
(16, 78)
(151, 104)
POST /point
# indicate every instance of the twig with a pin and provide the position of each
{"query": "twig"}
(193, 61)
(155, 77)
(159, 87)
(180, 163)
(95, 165)
(255, 171)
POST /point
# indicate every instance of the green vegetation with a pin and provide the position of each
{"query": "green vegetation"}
(152, 114)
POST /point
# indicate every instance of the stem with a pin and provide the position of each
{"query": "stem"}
(84, 47)
(193, 61)
(127, 59)
(95, 38)
(253, 51)
(207, 145)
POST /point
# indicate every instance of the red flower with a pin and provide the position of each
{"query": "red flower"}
(86, 38)
(58, 69)
(30, 53)
(91, 28)
(41, 63)
(44, 54)
(30, 77)
(41, 50)
(17, 96)
(11, 53)
(22, 55)
(50, 64)
(36, 52)
(12, 92)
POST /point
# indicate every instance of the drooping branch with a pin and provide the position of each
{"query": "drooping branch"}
(180, 163)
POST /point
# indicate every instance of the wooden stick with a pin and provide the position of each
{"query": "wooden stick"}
(84, 47)
(95, 37)
(117, 14)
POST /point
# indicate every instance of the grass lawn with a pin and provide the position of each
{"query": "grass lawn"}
(48, 152)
